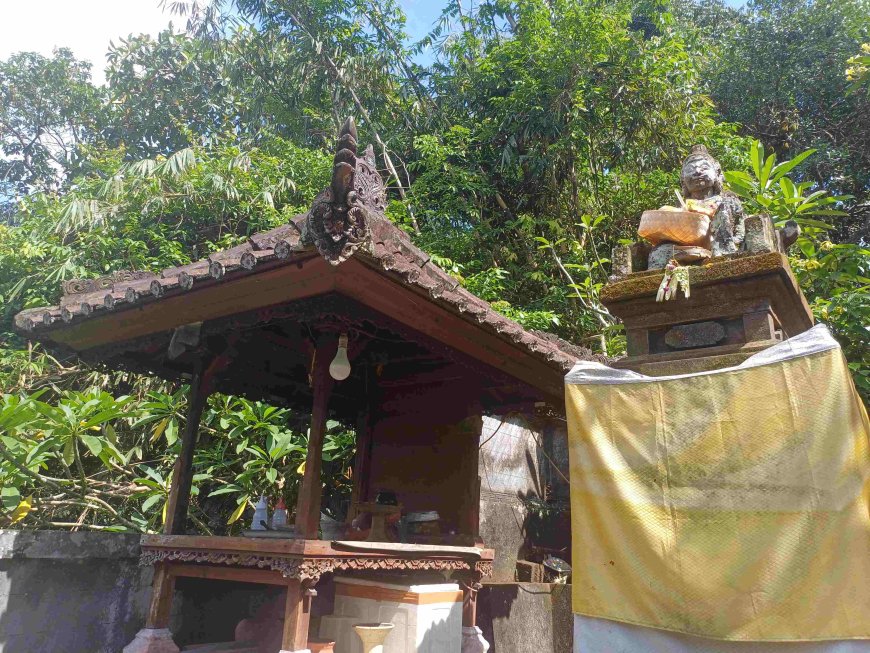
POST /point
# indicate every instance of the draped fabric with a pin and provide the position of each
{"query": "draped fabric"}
(732, 504)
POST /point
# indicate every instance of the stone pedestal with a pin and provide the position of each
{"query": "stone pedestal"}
(152, 640)
(473, 640)
(738, 306)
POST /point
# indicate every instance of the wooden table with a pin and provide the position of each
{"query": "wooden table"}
(298, 565)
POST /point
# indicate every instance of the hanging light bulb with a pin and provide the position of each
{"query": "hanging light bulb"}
(339, 368)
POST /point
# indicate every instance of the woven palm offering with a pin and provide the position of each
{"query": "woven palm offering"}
(675, 226)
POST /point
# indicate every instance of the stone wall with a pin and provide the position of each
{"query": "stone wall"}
(526, 617)
(86, 593)
(71, 592)
(524, 502)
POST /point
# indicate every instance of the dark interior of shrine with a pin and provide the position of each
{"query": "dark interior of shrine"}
(415, 403)
(270, 356)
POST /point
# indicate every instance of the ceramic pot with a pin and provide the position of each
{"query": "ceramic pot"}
(373, 636)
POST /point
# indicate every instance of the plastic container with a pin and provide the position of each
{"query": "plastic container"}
(261, 515)
(279, 517)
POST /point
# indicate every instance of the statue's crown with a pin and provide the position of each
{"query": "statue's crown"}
(700, 152)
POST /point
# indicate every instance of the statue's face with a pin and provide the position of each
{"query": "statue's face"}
(699, 175)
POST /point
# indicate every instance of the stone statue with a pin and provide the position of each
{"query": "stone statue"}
(701, 179)
(672, 235)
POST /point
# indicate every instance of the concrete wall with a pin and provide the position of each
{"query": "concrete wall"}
(526, 617)
(515, 475)
(71, 592)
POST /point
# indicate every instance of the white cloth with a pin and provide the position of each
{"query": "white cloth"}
(593, 635)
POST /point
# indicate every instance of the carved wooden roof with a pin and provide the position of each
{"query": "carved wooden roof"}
(346, 220)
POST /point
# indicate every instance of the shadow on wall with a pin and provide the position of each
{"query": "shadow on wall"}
(86, 593)
(73, 592)
(524, 508)
(526, 617)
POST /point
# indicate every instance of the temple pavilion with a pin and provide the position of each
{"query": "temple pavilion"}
(420, 361)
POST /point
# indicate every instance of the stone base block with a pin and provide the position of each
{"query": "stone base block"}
(152, 640)
(473, 640)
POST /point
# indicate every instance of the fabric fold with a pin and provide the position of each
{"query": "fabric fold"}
(732, 504)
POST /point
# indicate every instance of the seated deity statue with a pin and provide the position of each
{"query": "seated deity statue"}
(709, 222)
(701, 180)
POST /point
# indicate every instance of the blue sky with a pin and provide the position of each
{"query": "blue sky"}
(87, 26)
(422, 14)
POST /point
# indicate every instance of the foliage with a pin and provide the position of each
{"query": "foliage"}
(834, 277)
(88, 459)
(153, 213)
(518, 149)
(777, 68)
(48, 108)
(858, 71)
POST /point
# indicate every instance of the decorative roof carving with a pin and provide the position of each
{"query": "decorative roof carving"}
(339, 220)
(80, 286)
(336, 229)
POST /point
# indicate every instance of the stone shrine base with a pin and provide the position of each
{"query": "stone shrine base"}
(739, 305)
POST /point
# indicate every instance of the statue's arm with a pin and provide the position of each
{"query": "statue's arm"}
(728, 230)
(735, 206)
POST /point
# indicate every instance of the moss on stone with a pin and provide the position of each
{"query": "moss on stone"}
(641, 284)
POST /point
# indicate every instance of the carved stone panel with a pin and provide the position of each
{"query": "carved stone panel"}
(699, 334)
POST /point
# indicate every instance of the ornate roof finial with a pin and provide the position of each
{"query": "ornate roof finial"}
(338, 222)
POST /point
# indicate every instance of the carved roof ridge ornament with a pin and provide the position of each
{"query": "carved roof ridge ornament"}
(82, 286)
(338, 222)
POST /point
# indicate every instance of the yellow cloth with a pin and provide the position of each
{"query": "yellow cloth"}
(731, 504)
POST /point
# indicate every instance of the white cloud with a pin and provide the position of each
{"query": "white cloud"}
(84, 26)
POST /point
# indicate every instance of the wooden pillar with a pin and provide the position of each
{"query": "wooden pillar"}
(297, 615)
(182, 474)
(469, 602)
(470, 430)
(361, 463)
(310, 493)
(162, 588)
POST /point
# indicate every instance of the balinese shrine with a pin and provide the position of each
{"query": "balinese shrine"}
(338, 315)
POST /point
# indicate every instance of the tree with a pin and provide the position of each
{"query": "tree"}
(778, 71)
(48, 111)
(517, 157)
(566, 122)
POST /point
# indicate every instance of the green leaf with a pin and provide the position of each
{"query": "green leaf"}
(227, 489)
(92, 443)
(171, 432)
(10, 497)
(756, 154)
(110, 434)
(764, 178)
(787, 166)
(150, 501)
(271, 474)
(68, 451)
(807, 248)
